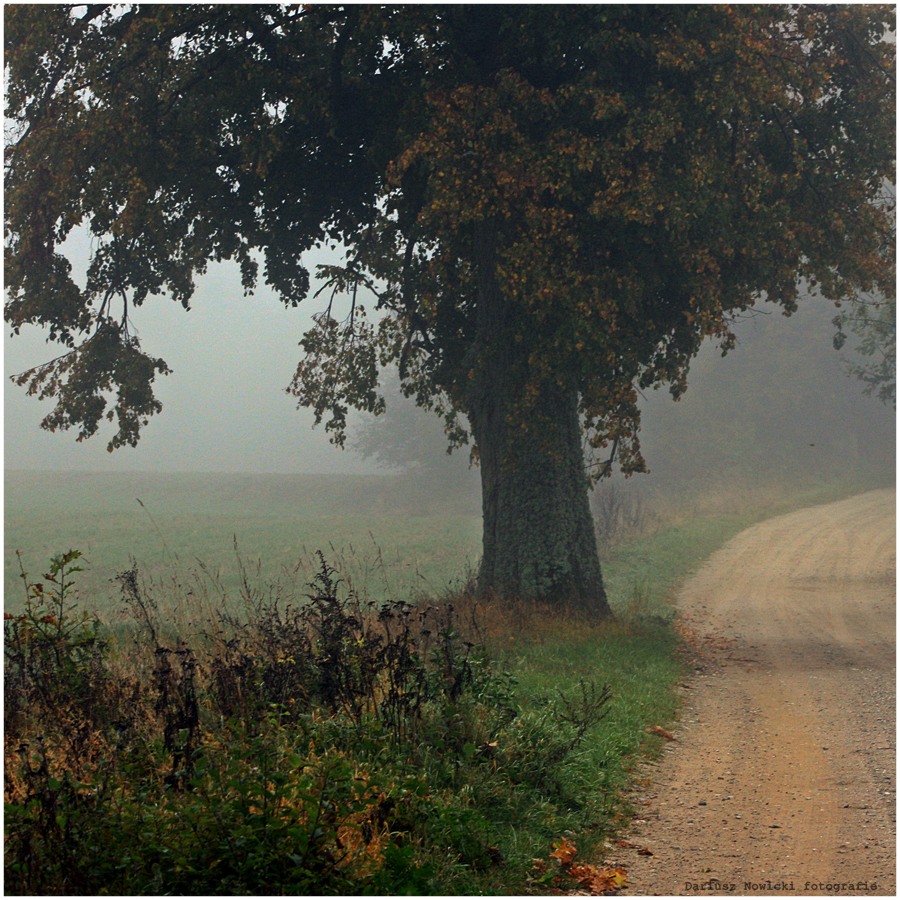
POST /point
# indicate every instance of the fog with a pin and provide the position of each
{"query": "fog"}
(225, 408)
(778, 411)
(779, 401)
(782, 400)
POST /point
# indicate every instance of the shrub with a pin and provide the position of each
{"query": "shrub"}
(53, 653)
(332, 746)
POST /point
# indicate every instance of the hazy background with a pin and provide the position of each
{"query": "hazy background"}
(224, 406)
(779, 402)
(777, 417)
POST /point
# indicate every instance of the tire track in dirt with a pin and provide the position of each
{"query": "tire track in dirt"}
(782, 779)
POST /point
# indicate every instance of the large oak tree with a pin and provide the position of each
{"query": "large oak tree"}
(553, 205)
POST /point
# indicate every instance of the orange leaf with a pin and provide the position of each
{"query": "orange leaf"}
(655, 729)
(610, 880)
(599, 881)
(564, 851)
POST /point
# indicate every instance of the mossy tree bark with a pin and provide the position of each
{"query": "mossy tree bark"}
(539, 540)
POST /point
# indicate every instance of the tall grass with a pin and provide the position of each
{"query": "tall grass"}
(336, 745)
(393, 536)
(248, 734)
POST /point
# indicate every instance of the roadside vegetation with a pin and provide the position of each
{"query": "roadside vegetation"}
(285, 737)
(335, 745)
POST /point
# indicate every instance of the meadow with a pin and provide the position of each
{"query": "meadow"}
(392, 535)
(270, 720)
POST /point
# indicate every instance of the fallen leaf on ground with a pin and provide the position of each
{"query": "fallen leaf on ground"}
(594, 879)
(564, 851)
(655, 729)
(599, 881)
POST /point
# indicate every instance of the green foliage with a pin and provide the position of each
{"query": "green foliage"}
(54, 654)
(337, 746)
(874, 324)
(622, 178)
(109, 359)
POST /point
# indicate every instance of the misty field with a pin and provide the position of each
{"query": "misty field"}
(225, 743)
(391, 536)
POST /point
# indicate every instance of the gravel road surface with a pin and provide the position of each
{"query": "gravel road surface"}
(781, 777)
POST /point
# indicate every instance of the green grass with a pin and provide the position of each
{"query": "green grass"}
(396, 538)
(392, 536)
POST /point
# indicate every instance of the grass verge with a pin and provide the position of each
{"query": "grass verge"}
(638, 658)
(339, 745)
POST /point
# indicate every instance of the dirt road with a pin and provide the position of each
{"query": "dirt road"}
(781, 777)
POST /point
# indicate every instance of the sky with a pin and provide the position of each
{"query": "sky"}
(225, 408)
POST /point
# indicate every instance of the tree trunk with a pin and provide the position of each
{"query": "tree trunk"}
(539, 541)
